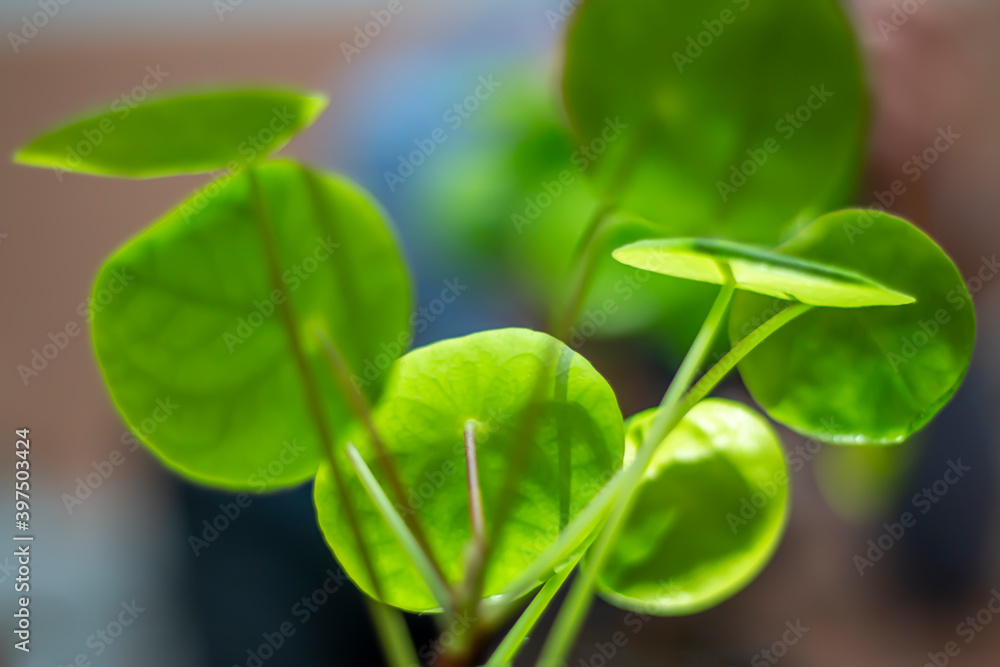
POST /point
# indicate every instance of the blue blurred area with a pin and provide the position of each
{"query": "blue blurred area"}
(396, 99)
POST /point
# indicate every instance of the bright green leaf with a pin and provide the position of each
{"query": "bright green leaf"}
(870, 375)
(708, 514)
(433, 391)
(188, 314)
(733, 118)
(759, 270)
(163, 136)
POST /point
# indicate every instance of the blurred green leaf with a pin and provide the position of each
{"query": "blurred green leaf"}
(198, 321)
(179, 134)
(864, 483)
(487, 377)
(868, 375)
(510, 197)
(708, 514)
(734, 118)
(758, 270)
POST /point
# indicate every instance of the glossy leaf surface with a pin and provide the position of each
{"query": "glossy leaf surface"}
(189, 313)
(708, 514)
(487, 377)
(166, 135)
(869, 375)
(758, 270)
(732, 118)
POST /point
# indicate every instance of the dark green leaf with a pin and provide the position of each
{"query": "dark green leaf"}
(734, 118)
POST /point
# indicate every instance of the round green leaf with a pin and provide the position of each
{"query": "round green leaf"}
(708, 514)
(188, 314)
(721, 117)
(758, 270)
(432, 393)
(188, 133)
(871, 375)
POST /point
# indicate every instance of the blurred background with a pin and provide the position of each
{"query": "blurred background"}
(119, 575)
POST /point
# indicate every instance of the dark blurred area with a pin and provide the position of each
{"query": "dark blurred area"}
(208, 579)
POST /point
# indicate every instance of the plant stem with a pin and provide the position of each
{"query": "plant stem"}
(476, 517)
(521, 450)
(728, 362)
(587, 257)
(362, 411)
(383, 617)
(397, 644)
(514, 640)
(670, 412)
(588, 518)
(409, 543)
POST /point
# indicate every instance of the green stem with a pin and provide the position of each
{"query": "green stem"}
(409, 543)
(587, 257)
(475, 550)
(523, 441)
(359, 405)
(670, 412)
(518, 634)
(715, 374)
(397, 644)
(594, 512)
(476, 519)
(387, 621)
